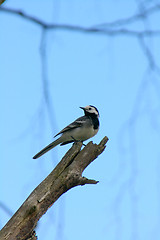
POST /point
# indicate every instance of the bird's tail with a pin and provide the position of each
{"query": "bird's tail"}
(47, 148)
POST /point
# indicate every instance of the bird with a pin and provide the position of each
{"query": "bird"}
(81, 129)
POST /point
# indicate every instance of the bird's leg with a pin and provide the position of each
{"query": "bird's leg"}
(77, 140)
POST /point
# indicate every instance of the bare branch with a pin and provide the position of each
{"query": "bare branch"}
(147, 52)
(94, 29)
(24, 15)
(45, 79)
(134, 18)
(66, 175)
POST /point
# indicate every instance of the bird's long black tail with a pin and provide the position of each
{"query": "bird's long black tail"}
(47, 148)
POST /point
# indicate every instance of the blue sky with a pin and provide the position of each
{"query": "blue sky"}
(110, 72)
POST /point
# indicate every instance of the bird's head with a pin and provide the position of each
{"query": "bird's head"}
(90, 110)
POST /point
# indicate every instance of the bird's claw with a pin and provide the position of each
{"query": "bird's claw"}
(75, 140)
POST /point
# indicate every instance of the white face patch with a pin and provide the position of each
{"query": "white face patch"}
(92, 109)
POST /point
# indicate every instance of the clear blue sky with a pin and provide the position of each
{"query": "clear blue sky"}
(109, 72)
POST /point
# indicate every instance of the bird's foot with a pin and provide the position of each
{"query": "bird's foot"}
(75, 140)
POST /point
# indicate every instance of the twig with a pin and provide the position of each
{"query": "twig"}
(94, 29)
(133, 18)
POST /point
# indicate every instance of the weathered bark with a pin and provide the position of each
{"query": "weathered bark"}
(66, 175)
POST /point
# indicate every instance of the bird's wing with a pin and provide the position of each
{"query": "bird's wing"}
(77, 123)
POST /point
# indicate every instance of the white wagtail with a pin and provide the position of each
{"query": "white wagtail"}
(81, 129)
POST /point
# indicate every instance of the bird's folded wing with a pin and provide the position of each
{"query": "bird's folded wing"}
(77, 123)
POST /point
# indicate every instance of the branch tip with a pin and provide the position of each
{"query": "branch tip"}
(84, 180)
(103, 141)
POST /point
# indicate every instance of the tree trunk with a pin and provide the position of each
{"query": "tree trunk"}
(66, 175)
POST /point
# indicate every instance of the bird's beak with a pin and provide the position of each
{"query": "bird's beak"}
(82, 108)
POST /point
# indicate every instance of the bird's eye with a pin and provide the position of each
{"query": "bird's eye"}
(90, 108)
